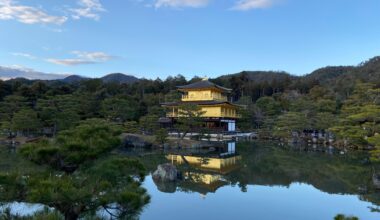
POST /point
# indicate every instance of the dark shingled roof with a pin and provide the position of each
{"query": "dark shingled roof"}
(202, 85)
(211, 102)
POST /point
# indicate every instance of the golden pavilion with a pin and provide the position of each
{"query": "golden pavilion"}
(218, 112)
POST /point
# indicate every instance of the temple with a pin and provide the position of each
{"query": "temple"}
(218, 112)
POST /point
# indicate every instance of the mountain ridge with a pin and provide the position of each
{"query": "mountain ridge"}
(119, 78)
(368, 69)
(7, 73)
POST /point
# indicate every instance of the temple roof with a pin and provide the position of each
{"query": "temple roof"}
(203, 85)
(211, 102)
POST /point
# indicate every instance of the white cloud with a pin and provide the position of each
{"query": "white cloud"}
(94, 56)
(70, 62)
(26, 55)
(181, 3)
(88, 9)
(244, 5)
(82, 57)
(9, 10)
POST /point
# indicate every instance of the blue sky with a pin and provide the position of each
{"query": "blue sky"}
(158, 38)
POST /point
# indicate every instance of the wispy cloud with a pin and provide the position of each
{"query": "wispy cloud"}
(88, 9)
(26, 55)
(70, 62)
(181, 3)
(10, 10)
(82, 57)
(95, 56)
(245, 5)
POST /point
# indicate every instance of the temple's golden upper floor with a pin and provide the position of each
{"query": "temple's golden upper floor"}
(211, 98)
(203, 91)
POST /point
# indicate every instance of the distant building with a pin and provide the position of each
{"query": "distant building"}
(219, 113)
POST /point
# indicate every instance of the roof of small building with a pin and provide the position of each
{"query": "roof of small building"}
(202, 85)
(164, 120)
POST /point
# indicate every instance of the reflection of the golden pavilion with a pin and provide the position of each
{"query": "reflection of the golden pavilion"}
(221, 165)
(208, 168)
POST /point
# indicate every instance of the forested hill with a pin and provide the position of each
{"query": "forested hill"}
(367, 71)
(119, 78)
(74, 79)
(328, 74)
(341, 79)
(250, 81)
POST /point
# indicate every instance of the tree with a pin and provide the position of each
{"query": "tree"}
(321, 93)
(25, 120)
(375, 152)
(303, 104)
(324, 121)
(119, 109)
(88, 105)
(360, 117)
(58, 112)
(343, 217)
(8, 108)
(325, 105)
(149, 123)
(131, 127)
(112, 185)
(289, 123)
(268, 106)
(161, 136)
(190, 117)
(73, 147)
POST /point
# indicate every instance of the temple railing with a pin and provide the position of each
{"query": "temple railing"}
(203, 97)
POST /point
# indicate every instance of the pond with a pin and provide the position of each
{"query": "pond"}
(263, 181)
(256, 180)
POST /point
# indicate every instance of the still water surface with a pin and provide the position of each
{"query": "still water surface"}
(264, 182)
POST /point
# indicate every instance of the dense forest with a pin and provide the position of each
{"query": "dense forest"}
(343, 101)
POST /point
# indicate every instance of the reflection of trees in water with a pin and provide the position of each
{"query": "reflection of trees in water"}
(266, 164)
(270, 164)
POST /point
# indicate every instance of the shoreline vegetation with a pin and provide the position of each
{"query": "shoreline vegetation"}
(71, 129)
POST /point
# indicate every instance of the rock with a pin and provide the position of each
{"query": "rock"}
(130, 140)
(165, 172)
(376, 180)
(166, 186)
(362, 189)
